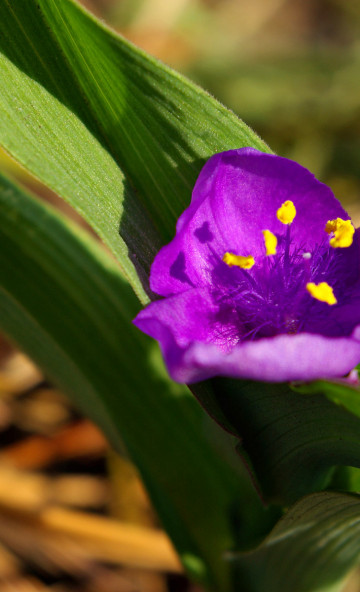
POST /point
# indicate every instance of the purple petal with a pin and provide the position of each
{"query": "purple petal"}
(259, 324)
(236, 197)
(194, 351)
(278, 359)
(188, 317)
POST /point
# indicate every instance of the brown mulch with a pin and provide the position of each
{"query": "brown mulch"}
(73, 515)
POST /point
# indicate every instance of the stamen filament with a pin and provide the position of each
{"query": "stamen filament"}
(287, 248)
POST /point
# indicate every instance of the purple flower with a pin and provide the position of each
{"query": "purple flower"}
(262, 279)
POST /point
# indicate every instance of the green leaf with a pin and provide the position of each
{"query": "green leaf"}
(346, 394)
(311, 549)
(341, 392)
(292, 442)
(63, 300)
(111, 130)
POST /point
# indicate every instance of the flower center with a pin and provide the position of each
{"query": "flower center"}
(283, 286)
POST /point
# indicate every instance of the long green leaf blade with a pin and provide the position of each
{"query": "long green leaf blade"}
(311, 549)
(342, 392)
(79, 103)
(291, 441)
(63, 301)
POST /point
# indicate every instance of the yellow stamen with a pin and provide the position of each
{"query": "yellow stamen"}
(286, 213)
(322, 292)
(270, 242)
(343, 232)
(244, 262)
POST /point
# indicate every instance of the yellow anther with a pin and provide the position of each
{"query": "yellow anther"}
(286, 213)
(244, 262)
(270, 242)
(343, 232)
(331, 225)
(322, 292)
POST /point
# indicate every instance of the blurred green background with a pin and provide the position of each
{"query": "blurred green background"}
(288, 68)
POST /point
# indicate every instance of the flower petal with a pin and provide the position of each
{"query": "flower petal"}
(210, 306)
(343, 276)
(194, 351)
(186, 315)
(235, 198)
(282, 358)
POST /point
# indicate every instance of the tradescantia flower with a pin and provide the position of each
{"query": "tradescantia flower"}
(262, 279)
